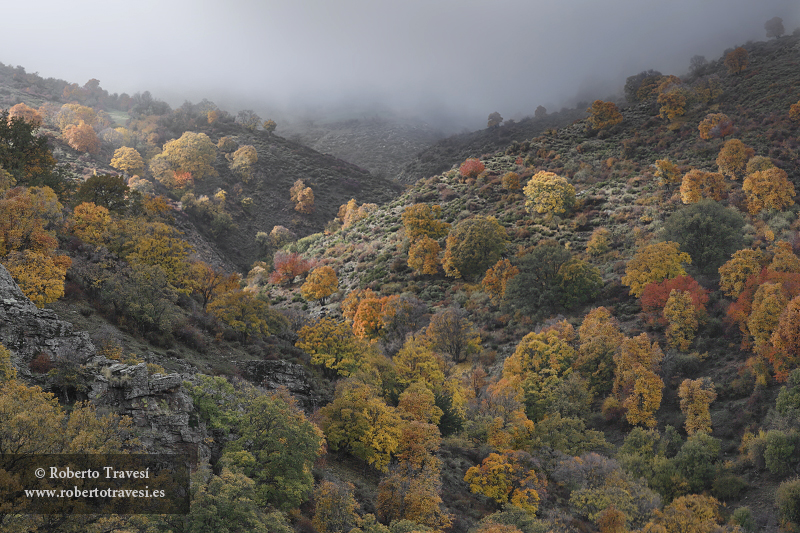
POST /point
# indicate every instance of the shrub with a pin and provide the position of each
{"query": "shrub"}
(779, 452)
(471, 168)
(787, 498)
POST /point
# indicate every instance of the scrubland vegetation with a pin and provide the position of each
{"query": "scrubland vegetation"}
(596, 328)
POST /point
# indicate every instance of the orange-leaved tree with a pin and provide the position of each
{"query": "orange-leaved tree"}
(733, 157)
(471, 168)
(82, 137)
(604, 114)
(496, 279)
(715, 125)
(287, 266)
(697, 185)
(785, 355)
(737, 60)
(655, 295)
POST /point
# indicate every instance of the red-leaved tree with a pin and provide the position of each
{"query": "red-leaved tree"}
(655, 296)
(288, 266)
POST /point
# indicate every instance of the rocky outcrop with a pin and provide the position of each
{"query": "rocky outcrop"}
(29, 331)
(158, 404)
(278, 374)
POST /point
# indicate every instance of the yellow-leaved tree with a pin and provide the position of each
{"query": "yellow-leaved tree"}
(423, 255)
(733, 157)
(424, 220)
(654, 263)
(696, 396)
(193, 153)
(333, 346)
(127, 160)
(768, 189)
(320, 283)
(604, 114)
(547, 192)
(496, 279)
(738, 269)
(506, 477)
(637, 386)
(682, 319)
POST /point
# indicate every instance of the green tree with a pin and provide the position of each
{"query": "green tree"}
(473, 245)
(707, 231)
(25, 155)
(276, 448)
(104, 190)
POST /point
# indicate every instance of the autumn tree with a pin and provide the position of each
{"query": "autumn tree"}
(655, 295)
(412, 490)
(269, 125)
(681, 316)
(737, 60)
(242, 311)
(599, 242)
(738, 269)
(127, 160)
(424, 220)
(332, 345)
(334, 507)
(423, 256)
(193, 153)
(90, 223)
(715, 125)
(708, 231)
(209, 282)
(768, 189)
(351, 212)
(695, 513)
(494, 120)
(654, 263)
(82, 137)
(243, 160)
(496, 279)
(696, 397)
(471, 168)
(360, 423)
(769, 301)
(637, 385)
(774, 27)
(794, 111)
(28, 114)
(287, 266)
(28, 244)
(667, 172)
(708, 89)
(698, 184)
(450, 332)
(599, 337)
(603, 114)
(416, 362)
(733, 157)
(508, 477)
(302, 196)
(473, 245)
(547, 192)
(321, 283)
(510, 181)
(674, 100)
(785, 341)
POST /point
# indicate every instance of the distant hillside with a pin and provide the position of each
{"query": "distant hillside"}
(455, 149)
(381, 144)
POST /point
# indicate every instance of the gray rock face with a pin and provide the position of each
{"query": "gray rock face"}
(282, 374)
(28, 331)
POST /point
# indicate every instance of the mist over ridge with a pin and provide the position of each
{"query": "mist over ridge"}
(447, 61)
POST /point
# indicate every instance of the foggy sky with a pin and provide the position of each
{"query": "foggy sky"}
(472, 57)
